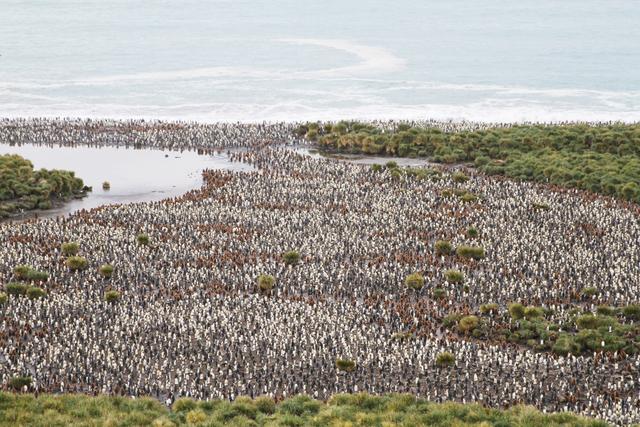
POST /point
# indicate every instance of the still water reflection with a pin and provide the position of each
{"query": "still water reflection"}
(135, 175)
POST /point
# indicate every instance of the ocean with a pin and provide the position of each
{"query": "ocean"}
(238, 60)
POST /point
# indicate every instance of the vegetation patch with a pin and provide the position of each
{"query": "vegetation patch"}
(22, 188)
(26, 272)
(266, 282)
(76, 263)
(291, 257)
(454, 276)
(602, 159)
(414, 281)
(301, 410)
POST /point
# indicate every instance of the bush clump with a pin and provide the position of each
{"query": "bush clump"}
(439, 293)
(590, 291)
(454, 276)
(184, 404)
(468, 324)
(77, 263)
(605, 310)
(443, 247)
(631, 312)
(196, 416)
(345, 365)
(565, 345)
(70, 248)
(34, 292)
(3, 298)
(266, 282)
(531, 313)
(414, 281)
(26, 272)
(265, 404)
(473, 232)
(489, 308)
(473, 252)
(459, 177)
(18, 383)
(468, 197)
(291, 257)
(16, 288)
(142, 239)
(516, 310)
(106, 185)
(445, 359)
(111, 296)
(106, 271)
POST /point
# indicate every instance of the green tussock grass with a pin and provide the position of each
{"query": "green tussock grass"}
(341, 410)
(602, 159)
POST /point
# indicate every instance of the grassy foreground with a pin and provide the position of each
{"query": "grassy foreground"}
(341, 410)
(602, 159)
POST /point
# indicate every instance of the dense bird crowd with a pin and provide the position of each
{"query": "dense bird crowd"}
(192, 321)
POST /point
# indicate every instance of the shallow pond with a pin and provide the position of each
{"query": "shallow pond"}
(135, 175)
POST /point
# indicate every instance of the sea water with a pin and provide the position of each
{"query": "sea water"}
(241, 60)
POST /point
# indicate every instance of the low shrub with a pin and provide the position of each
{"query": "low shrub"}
(391, 165)
(516, 310)
(70, 248)
(26, 272)
(565, 345)
(473, 232)
(443, 247)
(184, 404)
(468, 197)
(376, 167)
(345, 365)
(266, 282)
(489, 308)
(77, 263)
(454, 276)
(445, 359)
(532, 312)
(459, 177)
(34, 292)
(604, 310)
(16, 288)
(17, 383)
(468, 324)
(590, 291)
(196, 416)
(473, 252)
(631, 312)
(106, 185)
(414, 281)
(106, 270)
(587, 321)
(439, 293)
(291, 257)
(3, 298)
(143, 239)
(265, 404)
(111, 296)
(300, 406)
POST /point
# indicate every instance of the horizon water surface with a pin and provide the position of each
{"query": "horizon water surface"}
(240, 60)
